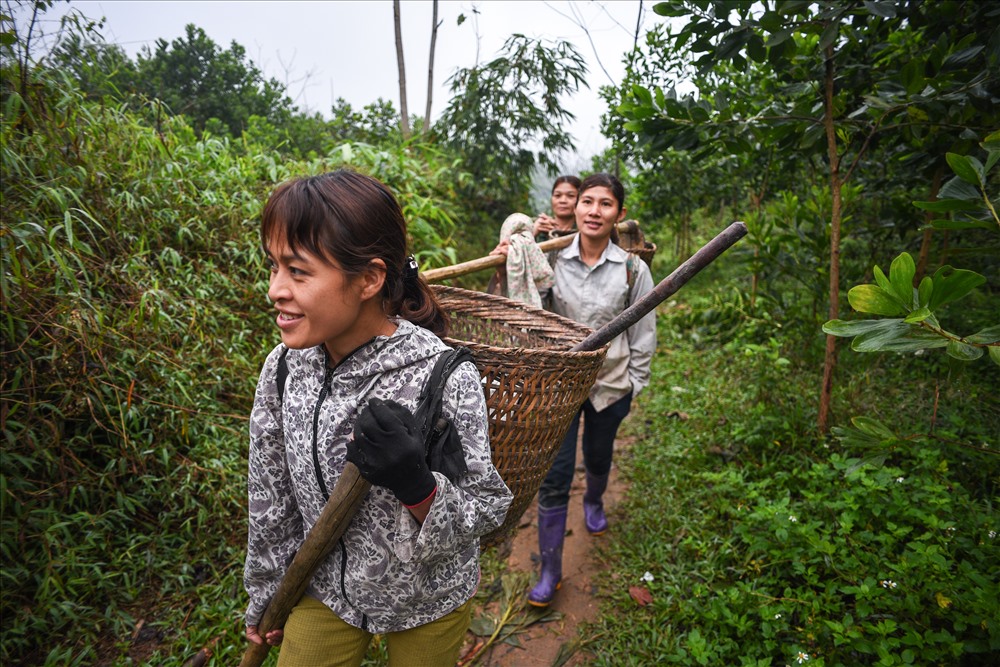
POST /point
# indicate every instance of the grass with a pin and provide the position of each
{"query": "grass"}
(771, 546)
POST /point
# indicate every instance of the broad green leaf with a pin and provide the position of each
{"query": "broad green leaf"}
(670, 9)
(881, 279)
(873, 299)
(917, 316)
(946, 205)
(985, 336)
(995, 354)
(960, 350)
(956, 188)
(873, 427)
(829, 35)
(886, 10)
(963, 224)
(953, 286)
(901, 273)
(897, 336)
(854, 328)
(924, 291)
(964, 168)
(991, 160)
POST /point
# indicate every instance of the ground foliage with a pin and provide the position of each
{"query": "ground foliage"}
(768, 546)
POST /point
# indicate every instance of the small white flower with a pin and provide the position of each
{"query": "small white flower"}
(899, 480)
(993, 534)
(648, 577)
(951, 529)
(888, 583)
(678, 390)
(777, 616)
(801, 657)
(793, 519)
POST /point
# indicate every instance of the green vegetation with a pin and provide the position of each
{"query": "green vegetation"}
(856, 529)
(765, 549)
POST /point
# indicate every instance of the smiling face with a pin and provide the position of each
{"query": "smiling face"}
(564, 201)
(320, 303)
(597, 212)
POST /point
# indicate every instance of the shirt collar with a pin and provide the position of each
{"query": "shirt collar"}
(612, 253)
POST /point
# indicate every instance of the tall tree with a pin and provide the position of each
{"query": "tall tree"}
(430, 67)
(194, 77)
(507, 116)
(404, 115)
(845, 77)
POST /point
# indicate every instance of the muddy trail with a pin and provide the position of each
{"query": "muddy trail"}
(528, 637)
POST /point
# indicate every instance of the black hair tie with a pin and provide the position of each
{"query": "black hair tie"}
(410, 271)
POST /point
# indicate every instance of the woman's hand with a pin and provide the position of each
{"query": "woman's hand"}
(503, 248)
(543, 224)
(273, 637)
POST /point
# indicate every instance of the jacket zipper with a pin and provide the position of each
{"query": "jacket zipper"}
(323, 392)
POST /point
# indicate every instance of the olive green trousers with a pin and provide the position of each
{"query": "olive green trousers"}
(316, 637)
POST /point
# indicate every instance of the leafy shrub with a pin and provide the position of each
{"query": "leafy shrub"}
(134, 328)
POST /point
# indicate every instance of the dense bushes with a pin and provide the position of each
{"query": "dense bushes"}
(134, 326)
(767, 546)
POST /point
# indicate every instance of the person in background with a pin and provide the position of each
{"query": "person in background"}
(359, 336)
(563, 219)
(594, 281)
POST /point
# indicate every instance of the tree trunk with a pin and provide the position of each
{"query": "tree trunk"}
(925, 244)
(430, 68)
(404, 114)
(830, 358)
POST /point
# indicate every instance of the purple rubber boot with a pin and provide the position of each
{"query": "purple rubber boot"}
(551, 531)
(593, 506)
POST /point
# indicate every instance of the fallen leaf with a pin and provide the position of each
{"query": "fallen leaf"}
(641, 595)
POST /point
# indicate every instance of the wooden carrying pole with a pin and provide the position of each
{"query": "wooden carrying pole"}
(683, 273)
(351, 488)
(348, 493)
(492, 261)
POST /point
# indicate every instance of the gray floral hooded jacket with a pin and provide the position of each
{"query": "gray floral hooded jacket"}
(388, 572)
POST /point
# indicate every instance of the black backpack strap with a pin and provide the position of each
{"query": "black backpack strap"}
(443, 448)
(282, 374)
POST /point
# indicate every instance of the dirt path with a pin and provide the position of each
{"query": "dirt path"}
(540, 644)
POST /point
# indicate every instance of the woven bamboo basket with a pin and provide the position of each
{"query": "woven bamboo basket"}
(533, 384)
(633, 240)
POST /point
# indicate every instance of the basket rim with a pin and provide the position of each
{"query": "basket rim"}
(577, 331)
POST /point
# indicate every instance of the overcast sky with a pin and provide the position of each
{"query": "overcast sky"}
(325, 50)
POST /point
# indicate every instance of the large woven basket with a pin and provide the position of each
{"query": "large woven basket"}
(533, 384)
(635, 242)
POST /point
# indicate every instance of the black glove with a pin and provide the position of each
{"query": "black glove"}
(389, 451)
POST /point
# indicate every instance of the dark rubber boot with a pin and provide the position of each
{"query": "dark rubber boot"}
(593, 506)
(551, 531)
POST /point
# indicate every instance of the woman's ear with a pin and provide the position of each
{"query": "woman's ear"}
(372, 279)
(621, 214)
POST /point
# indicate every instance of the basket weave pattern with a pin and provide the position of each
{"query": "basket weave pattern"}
(533, 384)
